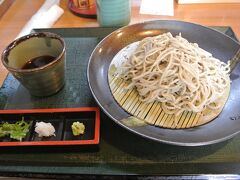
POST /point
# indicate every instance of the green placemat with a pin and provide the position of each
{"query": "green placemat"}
(119, 152)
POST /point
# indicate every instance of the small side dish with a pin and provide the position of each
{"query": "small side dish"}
(78, 128)
(44, 129)
(16, 131)
(50, 127)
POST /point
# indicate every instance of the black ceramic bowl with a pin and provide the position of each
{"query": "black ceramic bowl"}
(225, 126)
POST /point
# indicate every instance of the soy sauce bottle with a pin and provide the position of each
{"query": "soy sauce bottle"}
(84, 8)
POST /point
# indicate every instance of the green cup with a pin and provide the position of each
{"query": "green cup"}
(37, 60)
(113, 13)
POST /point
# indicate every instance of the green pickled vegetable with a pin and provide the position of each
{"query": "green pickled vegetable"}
(78, 128)
(16, 131)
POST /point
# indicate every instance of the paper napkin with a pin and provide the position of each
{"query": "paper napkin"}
(45, 17)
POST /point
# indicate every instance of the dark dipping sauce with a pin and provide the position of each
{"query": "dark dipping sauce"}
(38, 62)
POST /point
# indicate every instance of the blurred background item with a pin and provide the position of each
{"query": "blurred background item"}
(114, 13)
(159, 7)
(207, 1)
(83, 8)
(4, 5)
(45, 17)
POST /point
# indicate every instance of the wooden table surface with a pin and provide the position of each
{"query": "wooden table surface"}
(21, 11)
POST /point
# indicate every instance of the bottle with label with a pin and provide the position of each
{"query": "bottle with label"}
(83, 8)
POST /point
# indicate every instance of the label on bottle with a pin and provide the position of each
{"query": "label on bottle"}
(86, 4)
(84, 8)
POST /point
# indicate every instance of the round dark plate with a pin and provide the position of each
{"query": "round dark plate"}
(225, 126)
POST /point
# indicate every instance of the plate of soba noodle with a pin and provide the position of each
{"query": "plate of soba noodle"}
(169, 81)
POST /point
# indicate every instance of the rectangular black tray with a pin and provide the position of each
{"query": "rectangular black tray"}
(120, 152)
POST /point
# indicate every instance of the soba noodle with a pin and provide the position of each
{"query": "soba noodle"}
(177, 73)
